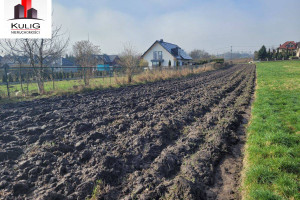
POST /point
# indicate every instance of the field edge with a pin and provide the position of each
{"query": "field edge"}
(243, 193)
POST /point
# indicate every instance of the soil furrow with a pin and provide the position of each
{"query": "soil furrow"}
(186, 144)
(161, 140)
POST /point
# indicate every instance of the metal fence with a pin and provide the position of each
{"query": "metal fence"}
(21, 81)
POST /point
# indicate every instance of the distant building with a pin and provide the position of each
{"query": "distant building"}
(107, 63)
(64, 65)
(110, 60)
(68, 65)
(32, 13)
(16, 61)
(162, 53)
(289, 45)
(19, 11)
(104, 68)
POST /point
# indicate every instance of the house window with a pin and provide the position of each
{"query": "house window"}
(157, 55)
(155, 64)
(160, 55)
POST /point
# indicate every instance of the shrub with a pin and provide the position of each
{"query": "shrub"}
(218, 60)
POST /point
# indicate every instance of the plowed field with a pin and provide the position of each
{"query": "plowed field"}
(163, 140)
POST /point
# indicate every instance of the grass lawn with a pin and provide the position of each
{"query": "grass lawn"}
(272, 157)
(60, 86)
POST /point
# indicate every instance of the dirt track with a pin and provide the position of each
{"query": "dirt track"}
(163, 140)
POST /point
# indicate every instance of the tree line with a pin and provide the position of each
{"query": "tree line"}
(202, 57)
(274, 54)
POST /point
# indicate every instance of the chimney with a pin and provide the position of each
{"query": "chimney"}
(161, 40)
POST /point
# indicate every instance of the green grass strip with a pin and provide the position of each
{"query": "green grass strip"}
(272, 157)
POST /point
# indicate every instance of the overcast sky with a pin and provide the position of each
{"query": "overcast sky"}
(212, 25)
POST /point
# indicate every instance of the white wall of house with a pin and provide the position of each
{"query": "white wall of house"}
(284, 50)
(165, 55)
(298, 52)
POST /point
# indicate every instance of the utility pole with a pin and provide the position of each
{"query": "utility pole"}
(231, 54)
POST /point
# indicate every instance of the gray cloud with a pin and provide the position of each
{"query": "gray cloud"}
(211, 25)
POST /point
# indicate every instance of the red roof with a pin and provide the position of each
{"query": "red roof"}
(291, 45)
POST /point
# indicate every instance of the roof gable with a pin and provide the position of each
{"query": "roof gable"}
(106, 58)
(286, 45)
(156, 42)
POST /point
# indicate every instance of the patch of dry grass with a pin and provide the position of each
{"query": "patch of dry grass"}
(157, 75)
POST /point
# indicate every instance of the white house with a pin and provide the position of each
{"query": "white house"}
(162, 53)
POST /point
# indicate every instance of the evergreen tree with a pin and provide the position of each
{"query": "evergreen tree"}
(277, 54)
(287, 55)
(170, 63)
(274, 54)
(280, 56)
(262, 53)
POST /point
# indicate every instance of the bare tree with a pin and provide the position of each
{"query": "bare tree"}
(40, 52)
(84, 52)
(143, 63)
(197, 54)
(130, 60)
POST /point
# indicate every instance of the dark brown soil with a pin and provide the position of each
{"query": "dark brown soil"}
(176, 139)
(227, 178)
